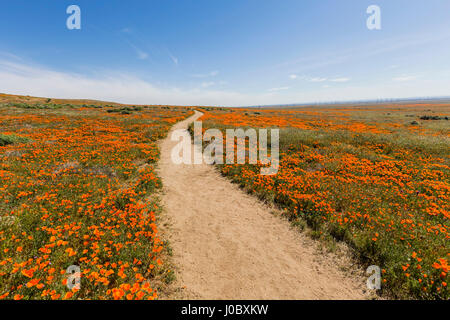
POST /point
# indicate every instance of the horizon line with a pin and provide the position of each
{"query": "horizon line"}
(321, 103)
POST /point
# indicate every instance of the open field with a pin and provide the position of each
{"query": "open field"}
(78, 188)
(375, 177)
(229, 245)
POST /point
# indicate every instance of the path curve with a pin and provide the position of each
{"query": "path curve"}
(227, 245)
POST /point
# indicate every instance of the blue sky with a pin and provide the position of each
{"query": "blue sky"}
(225, 52)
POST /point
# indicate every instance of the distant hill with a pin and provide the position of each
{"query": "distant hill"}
(361, 103)
(11, 98)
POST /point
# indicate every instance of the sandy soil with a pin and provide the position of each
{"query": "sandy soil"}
(227, 244)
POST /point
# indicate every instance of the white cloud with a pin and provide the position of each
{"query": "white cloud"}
(278, 89)
(207, 84)
(18, 77)
(340, 79)
(206, 75)
(293, 76)
(323, 79)
(317, 79)
(404, 78)
(26, 79)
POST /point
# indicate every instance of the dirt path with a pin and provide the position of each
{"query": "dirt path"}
(227, 245)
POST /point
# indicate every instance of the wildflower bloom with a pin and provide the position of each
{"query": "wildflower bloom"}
(80, 184)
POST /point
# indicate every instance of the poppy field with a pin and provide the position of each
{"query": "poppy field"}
(375, 177)
(78, 187)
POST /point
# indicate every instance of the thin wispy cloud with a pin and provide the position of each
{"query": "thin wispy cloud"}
(174, 59)
(130, 34)
(317, 79)
(340, 80)
(293, 76)
(141, 54)
(206, 75)
(207, 84)
(373, 49)
(9, 56)
(278, 89)
(172, 56)
(19, 77)
(327, 79)
(404, 78)
(126, 30)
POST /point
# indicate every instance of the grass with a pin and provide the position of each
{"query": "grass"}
(6, 139)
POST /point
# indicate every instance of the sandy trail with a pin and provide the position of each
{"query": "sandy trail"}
(227, 245)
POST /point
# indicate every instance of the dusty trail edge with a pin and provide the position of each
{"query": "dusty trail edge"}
(227, 245)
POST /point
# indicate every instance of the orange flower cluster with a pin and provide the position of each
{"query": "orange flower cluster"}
(361, 182)
(77, 193)
(377, 120)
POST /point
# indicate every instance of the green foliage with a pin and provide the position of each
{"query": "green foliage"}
(11, 139)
